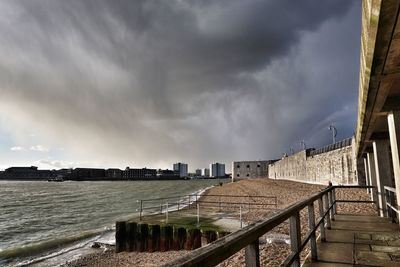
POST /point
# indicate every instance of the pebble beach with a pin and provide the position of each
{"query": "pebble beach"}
(286, 193)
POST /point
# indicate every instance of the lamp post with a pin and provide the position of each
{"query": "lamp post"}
(334, 132)
(303, 144)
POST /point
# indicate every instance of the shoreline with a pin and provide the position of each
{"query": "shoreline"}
(82, 247)
(271, 254)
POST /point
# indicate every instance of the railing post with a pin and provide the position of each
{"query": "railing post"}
(334, 201)
(387, 208)
(295, 237)
(330, 196)
(328, 217)
(311, 226)
(141, 209)
(378, 207)
(252, 254)
(393, 204)
(321, 215)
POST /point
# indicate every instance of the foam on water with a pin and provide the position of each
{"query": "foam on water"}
(42, 222)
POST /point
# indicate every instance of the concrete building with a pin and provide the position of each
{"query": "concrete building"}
(168, 175)
(139, 174)
(250, 169)
(198, 172)
(182, 168)
(377, 144)
(205, 172)
(27, 173)
(82, 174)
(217, 170)
(114, 173)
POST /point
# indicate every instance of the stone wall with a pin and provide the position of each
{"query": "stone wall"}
(336, 165)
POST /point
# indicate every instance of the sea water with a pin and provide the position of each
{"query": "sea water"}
(38, 219)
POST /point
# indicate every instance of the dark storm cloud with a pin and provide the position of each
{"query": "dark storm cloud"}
(198, 81)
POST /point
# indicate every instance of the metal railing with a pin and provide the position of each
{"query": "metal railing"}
(248, 237)
(392, 210)
(219, 202)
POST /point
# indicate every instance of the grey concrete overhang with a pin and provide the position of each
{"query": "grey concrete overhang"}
(379, 85)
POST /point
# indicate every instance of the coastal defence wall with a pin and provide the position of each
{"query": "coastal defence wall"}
(334, 163)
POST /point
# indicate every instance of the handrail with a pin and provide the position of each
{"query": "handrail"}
(248, 237)
(392, 210)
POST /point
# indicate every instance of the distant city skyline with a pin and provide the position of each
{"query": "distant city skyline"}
(150, 83)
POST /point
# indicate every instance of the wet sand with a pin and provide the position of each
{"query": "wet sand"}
(287, 192)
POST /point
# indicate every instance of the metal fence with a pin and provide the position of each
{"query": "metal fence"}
(248, 237)
(214, 202)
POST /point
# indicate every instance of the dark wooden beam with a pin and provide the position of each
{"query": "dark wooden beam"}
(379, 136)
(391, 104)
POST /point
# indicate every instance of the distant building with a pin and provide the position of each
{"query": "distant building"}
(217, 170)
(168, 175)
(205, 172)
(139, 174)
(198, 172)
(81, 174)
(27, 173)
(182, 168)
(114, 173)
(250, 169)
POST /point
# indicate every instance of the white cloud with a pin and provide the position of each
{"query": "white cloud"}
(39, 148)
(17, 148)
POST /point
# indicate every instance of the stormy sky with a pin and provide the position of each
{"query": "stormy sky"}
(149, 83)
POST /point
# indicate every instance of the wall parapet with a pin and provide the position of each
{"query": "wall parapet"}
(327, 148)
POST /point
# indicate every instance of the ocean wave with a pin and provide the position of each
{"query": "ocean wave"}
(48, 245)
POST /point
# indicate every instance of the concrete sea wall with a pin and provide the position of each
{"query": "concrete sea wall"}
(335, 164)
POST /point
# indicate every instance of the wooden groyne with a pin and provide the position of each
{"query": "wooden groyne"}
(143, 237)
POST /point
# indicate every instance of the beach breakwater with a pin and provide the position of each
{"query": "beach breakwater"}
(142, 237)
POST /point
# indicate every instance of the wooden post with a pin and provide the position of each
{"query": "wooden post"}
(166, 237)
(142, 235)
(193, 240)
(131, 230)
(153, 243)
(295, 237)
(222, 234)
(179, 238)
(393, 204)
(334, 201)
(252, 254)
(378, 208)
(210, 236)
(330, 195)
(321, 215)
(328, 217)
(120, 236)
(311, 226)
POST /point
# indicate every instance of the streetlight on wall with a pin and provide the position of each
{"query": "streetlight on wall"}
(334, 132)
(303, 144)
